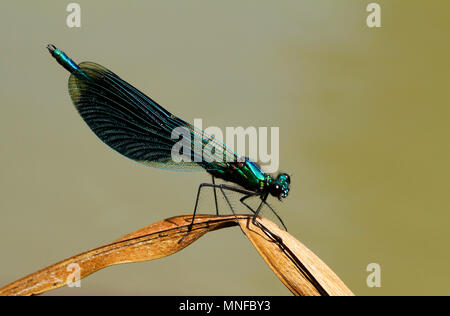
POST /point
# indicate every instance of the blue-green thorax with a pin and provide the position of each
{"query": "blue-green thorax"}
(250, 176)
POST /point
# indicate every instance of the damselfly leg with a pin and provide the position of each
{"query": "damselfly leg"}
(215, 196)
(264, 201)
(247, 194)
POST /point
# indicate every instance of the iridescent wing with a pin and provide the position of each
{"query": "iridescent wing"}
(134, 125)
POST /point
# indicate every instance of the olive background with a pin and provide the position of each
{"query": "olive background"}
(364, 126)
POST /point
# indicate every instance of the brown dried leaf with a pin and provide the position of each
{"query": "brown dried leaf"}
(297, 267)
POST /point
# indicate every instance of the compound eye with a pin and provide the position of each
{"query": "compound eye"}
(288, 178)
(275, 189)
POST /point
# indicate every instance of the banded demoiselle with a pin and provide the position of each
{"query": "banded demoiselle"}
(137, 127)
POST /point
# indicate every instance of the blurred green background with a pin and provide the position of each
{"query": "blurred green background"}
(364, 126)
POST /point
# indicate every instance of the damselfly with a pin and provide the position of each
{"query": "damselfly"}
(137, 127)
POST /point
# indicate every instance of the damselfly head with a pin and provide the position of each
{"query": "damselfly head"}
(280, 186)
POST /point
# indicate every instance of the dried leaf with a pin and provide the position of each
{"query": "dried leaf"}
(296, 266)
